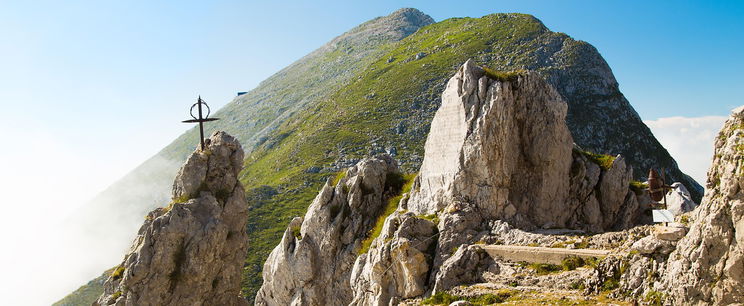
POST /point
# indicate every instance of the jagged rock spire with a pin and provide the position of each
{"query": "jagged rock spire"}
(191, 252)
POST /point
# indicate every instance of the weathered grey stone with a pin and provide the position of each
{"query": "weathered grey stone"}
(312, 264)
(651, 245)
(494, 144)
(678, 200)
(708, 265)
(192, 252)
(503, 148)
(466, 266)
(398, 264)
(670, 233)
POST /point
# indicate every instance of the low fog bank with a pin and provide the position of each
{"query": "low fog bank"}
(52, 258)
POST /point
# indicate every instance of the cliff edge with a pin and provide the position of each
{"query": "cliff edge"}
(191, 252)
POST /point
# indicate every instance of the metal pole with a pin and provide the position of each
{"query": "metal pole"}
(201, 126)
(663, 188)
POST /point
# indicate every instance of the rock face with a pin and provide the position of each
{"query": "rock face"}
(503, 148)
(192, 252)
(499, 151)
(313, 263)
(398, 264)
(708, 265)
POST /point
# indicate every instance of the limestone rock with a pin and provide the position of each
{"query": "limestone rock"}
(503, 148)
(312, 264)
(466, 266)
(192, 252)
(679, 200)
(670, 233)
(652, 245)
(398, 264)
(707, 266)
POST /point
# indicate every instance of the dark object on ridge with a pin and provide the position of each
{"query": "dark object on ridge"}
(199, 103)
(656, 186)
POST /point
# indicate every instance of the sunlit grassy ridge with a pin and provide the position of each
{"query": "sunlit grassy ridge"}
(358, 97)
(393, 89)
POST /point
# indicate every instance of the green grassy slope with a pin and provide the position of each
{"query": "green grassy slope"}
(86, 294)
(390, 103)
(351, 101)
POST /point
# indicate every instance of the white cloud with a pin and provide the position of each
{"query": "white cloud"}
(689, 141)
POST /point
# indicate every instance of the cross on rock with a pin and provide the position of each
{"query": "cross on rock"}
(200, 119)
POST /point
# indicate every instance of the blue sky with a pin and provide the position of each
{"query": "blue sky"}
(90, 89)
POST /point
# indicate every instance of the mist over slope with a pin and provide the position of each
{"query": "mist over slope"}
(374, 89)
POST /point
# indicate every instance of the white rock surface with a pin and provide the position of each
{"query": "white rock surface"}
(503, 148)
(312, 264)
(679, 200)
(669, 233)
(193, 252)
(708, 265)
(398, 264)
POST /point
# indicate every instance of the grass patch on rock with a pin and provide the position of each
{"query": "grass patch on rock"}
(397, 182)
(445, 298)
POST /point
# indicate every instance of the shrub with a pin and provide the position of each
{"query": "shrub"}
(653, 297)
(118, 273)
(571, 263)
(504, 76)
(604, 161)
(339, 176)
(116, 295)
(638, 187)
(296, 232)
(610, 284)
(444, 298)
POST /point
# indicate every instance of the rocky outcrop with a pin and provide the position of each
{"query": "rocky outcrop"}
(398, 265)
(313, 263)
(499, 155)
(192, 252)
(503, 148)
(707, 266)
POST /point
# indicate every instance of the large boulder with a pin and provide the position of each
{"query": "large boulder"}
(708, 265)
(398, 264)
(501, 145)
(678, 200)
(192, 252)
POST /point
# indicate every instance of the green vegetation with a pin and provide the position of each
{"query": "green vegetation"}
(653, 298)
(684, 219)
(504, 76)
(577, 285)
(321, 110)
(638, 187)
(396, 182)
(604, 161)
(86, 294)
(179, 259)
(116, 295)
(434, 218)
(296, 232)
(444, 298)
(572, 262)
(540, 268)
(339, 176)
(118, 273)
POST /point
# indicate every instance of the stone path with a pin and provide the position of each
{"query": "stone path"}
(540, 254)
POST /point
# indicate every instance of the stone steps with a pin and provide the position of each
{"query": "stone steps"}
(540, 254)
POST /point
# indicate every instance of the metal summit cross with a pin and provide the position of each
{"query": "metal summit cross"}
(200, 119)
